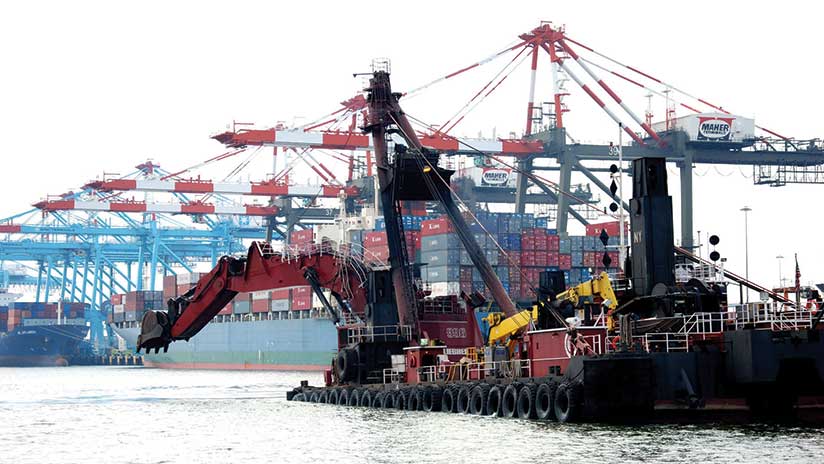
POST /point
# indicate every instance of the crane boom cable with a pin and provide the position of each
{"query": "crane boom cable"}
(468, 210)
(669, 86)
(534, 177)
(481, 91)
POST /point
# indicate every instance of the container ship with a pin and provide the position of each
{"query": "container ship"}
(289, 329)
(35, 335)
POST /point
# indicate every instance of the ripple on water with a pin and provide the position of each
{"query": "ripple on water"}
(135, 415)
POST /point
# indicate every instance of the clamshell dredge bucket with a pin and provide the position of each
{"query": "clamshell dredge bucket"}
(154, 332)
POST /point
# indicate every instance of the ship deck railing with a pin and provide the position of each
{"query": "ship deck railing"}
(392, 376)
(771, 315)
(365, 333)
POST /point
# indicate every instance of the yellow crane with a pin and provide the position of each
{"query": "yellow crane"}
(504, 330)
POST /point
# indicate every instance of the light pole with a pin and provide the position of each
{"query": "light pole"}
(780, 275)
(746, 210)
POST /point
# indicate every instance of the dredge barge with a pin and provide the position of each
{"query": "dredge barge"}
(638, 346)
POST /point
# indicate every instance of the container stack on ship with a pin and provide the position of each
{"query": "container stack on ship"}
(39, 334)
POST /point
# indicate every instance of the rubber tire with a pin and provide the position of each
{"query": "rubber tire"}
(334, 396)
(432, 399)
(346, 363)
(313, 397)
(400, 400)
(387, 400)
(377, 400)
(323, 398)
(464, 393)
(413, 399)
(509, 400)
(478, 398)
(526, 401)
(449, 400)
(343, 397)
(298, 397)
(545, 401)
(568, 401)
(354, 398)
(494, 401)
(365, 398)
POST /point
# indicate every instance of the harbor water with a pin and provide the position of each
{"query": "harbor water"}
(139, 415)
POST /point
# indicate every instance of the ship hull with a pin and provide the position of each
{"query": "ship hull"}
(42, 346)
(281, 345)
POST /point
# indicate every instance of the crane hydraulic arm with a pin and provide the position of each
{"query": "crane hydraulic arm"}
(599, 286)
(262, 269)
(502, 329)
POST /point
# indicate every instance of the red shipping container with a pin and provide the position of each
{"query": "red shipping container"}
(614, 256)
(301, 303)
(376, 238)
(552, 259)
(540, 243)
(282, 294)
(541, 259)
(243, 296)
(527, 243)
(527, 258)
(565, 262)
(260, 306)
(612, 228)
(437, 226)
(553, 242)
(376, 255)
(589, 258)
(117, 299)
(300, 237)
(301, 291)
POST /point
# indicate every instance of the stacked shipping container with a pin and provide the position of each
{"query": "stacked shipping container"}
(20, 312)
(518, 247)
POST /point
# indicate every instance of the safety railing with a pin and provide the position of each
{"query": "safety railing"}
(705, 323)
(392, 375)
(433, 373)
(708, 273)
(667, 342)
(512, 368)
(771, 315)
(360, 334)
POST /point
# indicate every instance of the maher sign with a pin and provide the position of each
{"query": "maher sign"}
(494, 176)
(712, 128)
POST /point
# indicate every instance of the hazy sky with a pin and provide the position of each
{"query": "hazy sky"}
(89, 87)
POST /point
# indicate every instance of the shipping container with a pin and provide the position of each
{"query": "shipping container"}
(438, 226)
(241, 307)
(280, 294)
(443, 273)
(260, 306)
(302, 237)
(279, 305)
(440, 242)
(374, 239)
(301, 291)
(713, 128)
(564, 261)
(441, 257)
(189, 278)
(445, 288)
(376, 256)
(300, 303)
